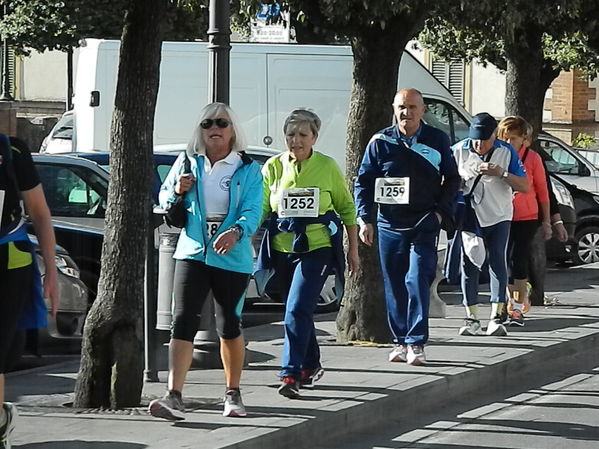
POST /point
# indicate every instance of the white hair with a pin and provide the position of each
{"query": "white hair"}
(196, 144)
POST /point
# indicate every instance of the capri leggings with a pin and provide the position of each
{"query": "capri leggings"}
(16, 287)
(521, 235)
(193, 281)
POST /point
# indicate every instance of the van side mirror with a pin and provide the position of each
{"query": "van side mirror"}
(94, 99)
(583, 170)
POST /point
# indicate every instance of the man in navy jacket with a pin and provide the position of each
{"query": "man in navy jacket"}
(409, 175)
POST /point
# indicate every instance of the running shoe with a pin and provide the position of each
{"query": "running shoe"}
(233, 404)
(289, 388)
(310, 376)
(416, 355)
(495, 328)
(516, 318)
(471, 327)
(170, 407)
(399, 354)
(8, 427)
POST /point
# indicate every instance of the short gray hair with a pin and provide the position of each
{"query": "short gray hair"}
(300, 117)
(196, 143)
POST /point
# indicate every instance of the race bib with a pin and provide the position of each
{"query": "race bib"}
(212, 226)
(392, 190)
(299, 202)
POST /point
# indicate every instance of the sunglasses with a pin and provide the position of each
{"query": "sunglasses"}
(220, 122)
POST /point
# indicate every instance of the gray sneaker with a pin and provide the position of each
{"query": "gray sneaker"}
(169, 407)
(8, 427)
(233, 404)
(471, 327)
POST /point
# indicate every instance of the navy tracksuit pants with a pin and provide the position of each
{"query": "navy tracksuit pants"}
(408, 264)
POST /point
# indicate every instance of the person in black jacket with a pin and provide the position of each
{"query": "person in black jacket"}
(18, 270)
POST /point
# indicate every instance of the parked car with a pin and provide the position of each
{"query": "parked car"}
(563, 160)
(70, 317)
(590, 154)
(585, 245)
(60, 137)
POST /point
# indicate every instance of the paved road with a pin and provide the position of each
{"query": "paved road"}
(559, 415)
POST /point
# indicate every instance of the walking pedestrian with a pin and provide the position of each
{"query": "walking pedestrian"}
(19, 274)
(222, 195)
(527, 208)
(304, 195)
(491, 171)
(410, 176)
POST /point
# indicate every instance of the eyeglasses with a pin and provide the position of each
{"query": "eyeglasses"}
(220, 122)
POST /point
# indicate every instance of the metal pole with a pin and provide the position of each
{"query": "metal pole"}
(219, 47)
(6, 87)
(69, 102)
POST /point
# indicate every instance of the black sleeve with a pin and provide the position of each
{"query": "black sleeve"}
(25, 172)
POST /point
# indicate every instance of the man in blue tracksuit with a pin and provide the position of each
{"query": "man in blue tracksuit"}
(408, 172)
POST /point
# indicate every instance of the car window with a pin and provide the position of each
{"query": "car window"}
(64, 129)
(559, 160)
(73, 191)
(445, 117)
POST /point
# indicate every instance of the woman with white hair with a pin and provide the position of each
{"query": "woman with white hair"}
(222, 194)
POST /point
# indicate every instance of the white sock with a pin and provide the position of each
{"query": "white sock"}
(472, 312)
(496, 309)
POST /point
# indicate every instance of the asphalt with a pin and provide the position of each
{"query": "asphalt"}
(360, 388)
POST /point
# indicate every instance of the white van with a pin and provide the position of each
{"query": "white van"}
(267, 82)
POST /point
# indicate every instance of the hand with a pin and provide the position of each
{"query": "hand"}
(225, 241)
(367, 234)
(51, 289)
(353, 260)
(560, 232)
(490, 169)
(547, 231)
(184, 183)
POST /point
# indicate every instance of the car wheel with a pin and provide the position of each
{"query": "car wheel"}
(90, 279)
(587, 245)
(327, 302)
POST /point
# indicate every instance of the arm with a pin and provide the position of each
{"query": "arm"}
(38, 211)
(539, 180)
(364, 193)
(174, 184)
(514, 174)
(450, 185)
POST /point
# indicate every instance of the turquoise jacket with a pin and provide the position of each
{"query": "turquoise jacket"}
(245, 210)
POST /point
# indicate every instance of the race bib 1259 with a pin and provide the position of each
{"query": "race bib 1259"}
(392, 190)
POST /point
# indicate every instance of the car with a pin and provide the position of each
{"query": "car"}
(585, 245)
(563, 160)
(590, 154)
(73, 306)
(60, 137)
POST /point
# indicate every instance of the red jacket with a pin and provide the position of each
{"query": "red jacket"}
(526, 205)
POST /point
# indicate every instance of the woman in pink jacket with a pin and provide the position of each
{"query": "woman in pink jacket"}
(529, 209)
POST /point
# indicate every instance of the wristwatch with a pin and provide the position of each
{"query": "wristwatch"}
(237, 230)
(505, 174)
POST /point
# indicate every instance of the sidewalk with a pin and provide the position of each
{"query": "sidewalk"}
(358, 389)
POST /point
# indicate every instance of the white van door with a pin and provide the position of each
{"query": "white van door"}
(321, 83)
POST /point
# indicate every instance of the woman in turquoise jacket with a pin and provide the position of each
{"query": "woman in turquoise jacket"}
(222, 195)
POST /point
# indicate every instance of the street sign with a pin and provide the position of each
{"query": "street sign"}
(263, 31)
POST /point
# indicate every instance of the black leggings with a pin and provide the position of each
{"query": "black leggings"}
(192, 283)
(16, 286)
(521, 235)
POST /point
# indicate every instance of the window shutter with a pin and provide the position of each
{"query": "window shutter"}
(451, 75)
(11, 67)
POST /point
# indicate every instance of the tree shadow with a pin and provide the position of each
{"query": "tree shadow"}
(79, 444)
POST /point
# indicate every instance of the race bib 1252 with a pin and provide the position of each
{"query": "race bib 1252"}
(299, 202)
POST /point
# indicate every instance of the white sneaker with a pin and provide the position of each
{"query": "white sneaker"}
(233, 404)
(399, 354)
(471, 327)
(8, 427)
(416, 355)
(495, 328)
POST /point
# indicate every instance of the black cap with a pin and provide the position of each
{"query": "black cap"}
(482, 126)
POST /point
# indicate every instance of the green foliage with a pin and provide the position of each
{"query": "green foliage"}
(584, 140)
(482, 31)
(59, 25)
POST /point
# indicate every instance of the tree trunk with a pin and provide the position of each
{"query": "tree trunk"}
(377, 54)
(524, 54)
(111, 373)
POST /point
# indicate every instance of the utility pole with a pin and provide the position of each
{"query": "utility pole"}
(5, 96)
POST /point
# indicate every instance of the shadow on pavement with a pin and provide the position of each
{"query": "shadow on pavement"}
(78, 444)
